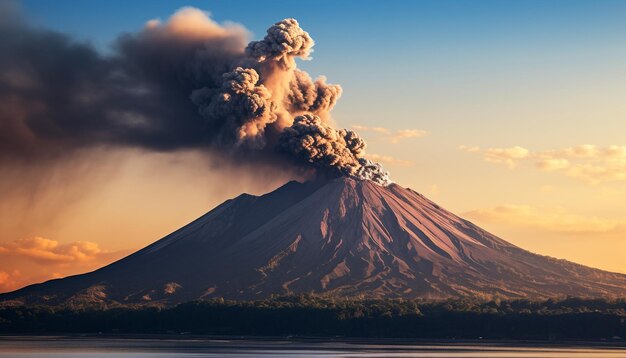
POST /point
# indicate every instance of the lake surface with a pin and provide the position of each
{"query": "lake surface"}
(71, 347)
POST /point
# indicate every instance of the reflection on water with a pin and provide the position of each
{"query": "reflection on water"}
(39, 347)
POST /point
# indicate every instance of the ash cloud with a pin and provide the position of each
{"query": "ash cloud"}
(186, 83)
(240, 109)
(60, 95)
(285, 41)
(325, 147)
(306, 95)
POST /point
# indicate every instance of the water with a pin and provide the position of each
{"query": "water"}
(39, 347)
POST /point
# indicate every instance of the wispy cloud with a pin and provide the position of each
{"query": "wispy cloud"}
(392, 136)
(470, 149)
(506, 156)
(587, 162)
(550, 164)
(546, 219)
(389, 160)
(397, 136)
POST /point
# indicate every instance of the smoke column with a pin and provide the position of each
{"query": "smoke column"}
(185, 83)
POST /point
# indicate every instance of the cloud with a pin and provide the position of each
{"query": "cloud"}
(389, 160)
(371, 129)
(506, 156)
(469, 149)
(37, 259)
(587, 162)
(46, 251)
(551, 164)
(391, 136)
(546, 219)
(397, 136)
(190, 22)
(590, 163)
(597, 173)
(9, 281)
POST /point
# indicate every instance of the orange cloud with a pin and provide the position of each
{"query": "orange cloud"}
(46, 250)
(30, 260)
(9, 281)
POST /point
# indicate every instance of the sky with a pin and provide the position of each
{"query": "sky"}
(510, 114)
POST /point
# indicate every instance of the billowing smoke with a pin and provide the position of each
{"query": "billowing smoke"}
(240, 109)
(308, 96)
(183, 84)
(285, 41)
(59, 96)
(325, 147)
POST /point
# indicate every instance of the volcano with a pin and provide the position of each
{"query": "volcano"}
(341, 237)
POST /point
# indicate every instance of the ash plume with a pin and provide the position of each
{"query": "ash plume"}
(240, 109)
(316, 97)
(285, 41)
(325, 147)
(186, 83)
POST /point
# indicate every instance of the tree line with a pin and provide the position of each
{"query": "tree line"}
(307, 315)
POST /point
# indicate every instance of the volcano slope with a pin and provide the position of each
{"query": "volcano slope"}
(342, 237)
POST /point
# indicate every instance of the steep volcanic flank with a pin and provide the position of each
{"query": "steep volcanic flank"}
(343, 237)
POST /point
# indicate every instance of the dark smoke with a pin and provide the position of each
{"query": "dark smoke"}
(240, 109)
(59, 95)
(324, 147)
(183, 84)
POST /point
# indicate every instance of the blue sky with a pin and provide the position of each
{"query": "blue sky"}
(391, 53)
(453, 22)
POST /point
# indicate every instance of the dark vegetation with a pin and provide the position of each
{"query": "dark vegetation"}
(566, 319)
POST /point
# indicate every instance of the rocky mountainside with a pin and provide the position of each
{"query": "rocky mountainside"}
(341, 237)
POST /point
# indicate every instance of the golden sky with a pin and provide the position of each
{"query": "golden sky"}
(571, 212)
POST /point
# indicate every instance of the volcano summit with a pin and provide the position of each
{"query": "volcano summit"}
(343, 237)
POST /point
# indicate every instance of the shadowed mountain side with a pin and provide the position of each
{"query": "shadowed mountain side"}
(341, 237)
